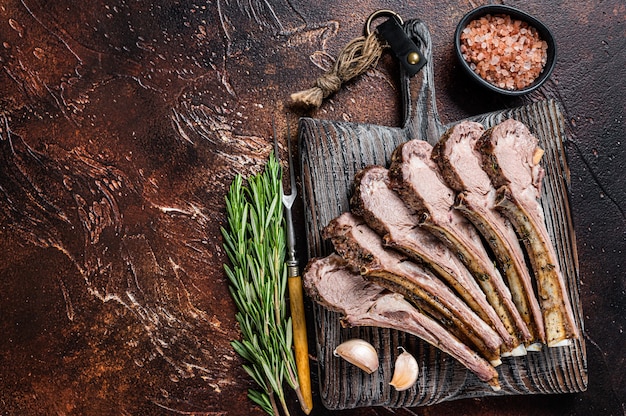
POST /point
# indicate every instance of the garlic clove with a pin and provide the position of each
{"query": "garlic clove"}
(405, 372)
(359, 353)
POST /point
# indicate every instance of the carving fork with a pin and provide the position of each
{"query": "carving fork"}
(296, 298)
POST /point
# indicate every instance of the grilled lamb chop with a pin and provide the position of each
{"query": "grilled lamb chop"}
(460, 165)
(363, 249)
(331, 283)
(416, 178)
(509, 151)
(384, 211)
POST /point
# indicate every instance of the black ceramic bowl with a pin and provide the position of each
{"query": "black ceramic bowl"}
(495, 9)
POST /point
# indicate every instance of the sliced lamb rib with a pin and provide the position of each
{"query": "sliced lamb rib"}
(416, 178)
(331, 282)
(509, 157)
(384, 211)
(460, 164)
(363, 249)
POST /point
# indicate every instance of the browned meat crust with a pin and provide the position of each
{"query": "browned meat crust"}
(362, 248)
(509, 151)
(328, 279)
(384, 211)
(460, 165)
(416, 179)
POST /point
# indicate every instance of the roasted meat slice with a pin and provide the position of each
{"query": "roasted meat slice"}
(363, 249)
(460, 165)
(331, 282)
(384, 211)
(509, 156)
(416, 178)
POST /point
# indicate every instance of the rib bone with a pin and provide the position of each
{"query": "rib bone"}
(461, 167)
(363, 249)
(509, 151)
(328, 279)
(386, 213)
(416, 179)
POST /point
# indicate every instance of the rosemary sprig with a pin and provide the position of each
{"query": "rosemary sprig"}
(254, 241)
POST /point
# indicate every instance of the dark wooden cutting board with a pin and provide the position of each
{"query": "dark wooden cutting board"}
(331, 154)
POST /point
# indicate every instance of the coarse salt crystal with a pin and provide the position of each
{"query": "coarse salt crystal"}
(506, 52)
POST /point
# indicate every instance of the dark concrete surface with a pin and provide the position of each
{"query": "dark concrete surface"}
(122, 124)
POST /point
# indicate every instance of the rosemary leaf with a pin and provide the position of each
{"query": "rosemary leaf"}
(262, 400)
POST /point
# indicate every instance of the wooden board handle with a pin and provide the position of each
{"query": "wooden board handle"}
(421, 120)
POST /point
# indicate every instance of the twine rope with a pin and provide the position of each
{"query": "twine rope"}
(356, 57)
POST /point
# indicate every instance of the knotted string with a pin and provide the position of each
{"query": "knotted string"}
(355, 58)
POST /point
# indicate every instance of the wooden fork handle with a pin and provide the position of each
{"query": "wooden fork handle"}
(296, 301)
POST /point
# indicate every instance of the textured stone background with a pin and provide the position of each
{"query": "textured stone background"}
(122, 124)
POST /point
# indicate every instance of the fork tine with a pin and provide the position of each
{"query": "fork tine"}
(287, 199)
(292, 174)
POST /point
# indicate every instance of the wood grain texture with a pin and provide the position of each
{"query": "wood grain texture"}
(331, 154)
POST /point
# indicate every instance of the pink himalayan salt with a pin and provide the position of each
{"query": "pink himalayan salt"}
(506, 52)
